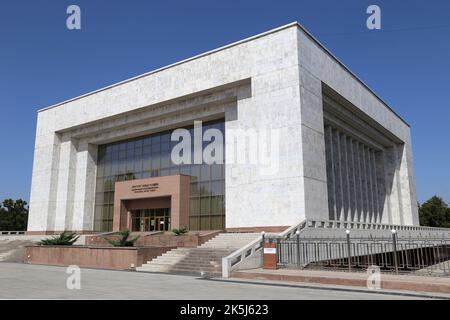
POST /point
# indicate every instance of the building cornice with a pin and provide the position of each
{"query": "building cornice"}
(298, 25)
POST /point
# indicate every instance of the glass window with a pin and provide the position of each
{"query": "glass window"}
(205, 172)
(149, 156)
(205, 189)
(194, 191)
(194, 206)
(217, 172)
(165, 160)
(205, 205)
(217, 187)
(217, 204)
(195, 172)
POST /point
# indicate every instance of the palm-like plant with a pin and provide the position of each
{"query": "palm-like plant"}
(123, 240)
(64, 239)
(180, 232)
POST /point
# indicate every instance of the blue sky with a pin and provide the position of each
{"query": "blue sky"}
(407, 63)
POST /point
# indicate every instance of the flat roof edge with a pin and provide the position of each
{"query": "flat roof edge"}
(351, 72)
(289, 25)
(233, 44)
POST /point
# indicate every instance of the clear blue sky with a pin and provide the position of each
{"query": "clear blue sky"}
(41, 62)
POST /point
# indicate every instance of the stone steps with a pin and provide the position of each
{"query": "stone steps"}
(5, 255)
(12, 247)
(205, 260)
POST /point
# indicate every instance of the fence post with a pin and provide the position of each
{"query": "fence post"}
(394, 245)
(298, 248)
(349, 253)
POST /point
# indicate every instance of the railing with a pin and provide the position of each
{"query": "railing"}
(336, 224)
(8, 233)
(421, 256)
(233, 260)
(250, 251)
(290, 232)
(294, 233)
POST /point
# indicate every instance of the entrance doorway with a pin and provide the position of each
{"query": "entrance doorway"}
(146, 220)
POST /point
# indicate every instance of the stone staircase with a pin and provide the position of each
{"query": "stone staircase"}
(12, 247)
(205, 260)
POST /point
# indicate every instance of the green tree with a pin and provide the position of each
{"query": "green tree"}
(434, 213)
(13, 215)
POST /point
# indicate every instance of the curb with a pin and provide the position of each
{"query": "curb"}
(333, 288)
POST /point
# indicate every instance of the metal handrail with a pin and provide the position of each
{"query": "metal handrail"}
(424, 256)
(232, 261)
(290, 232)
(317, 223)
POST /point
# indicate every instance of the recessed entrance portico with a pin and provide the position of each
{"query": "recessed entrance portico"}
(146, 220)
(153, 204)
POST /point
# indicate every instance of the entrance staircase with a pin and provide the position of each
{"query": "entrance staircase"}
(205, 260)
(12, 247)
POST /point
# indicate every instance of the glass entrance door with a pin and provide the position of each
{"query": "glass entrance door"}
(147, 220)
(160, 224)
(146, 224)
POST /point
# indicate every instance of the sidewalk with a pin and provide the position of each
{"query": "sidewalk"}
(416, 284)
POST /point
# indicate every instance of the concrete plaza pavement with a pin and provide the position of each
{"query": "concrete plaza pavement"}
(23, 281)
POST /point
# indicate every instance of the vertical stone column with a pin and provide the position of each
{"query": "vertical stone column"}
(370, 183)
(353, 182)
(274, 189)
(393, 184)
(331, 179)
(387, 175)
(66, 184)
(365, 190)
(383, 215)
(408, 185)
(84, 195)
(313, 147)
(44, 180)
(359, 184)
(338, 172)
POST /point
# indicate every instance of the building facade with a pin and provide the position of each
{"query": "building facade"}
(301, 137)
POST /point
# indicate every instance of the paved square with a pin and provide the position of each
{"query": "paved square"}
(23, 281)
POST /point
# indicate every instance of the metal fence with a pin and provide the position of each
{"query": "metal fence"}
(421, 256)
(12, 233)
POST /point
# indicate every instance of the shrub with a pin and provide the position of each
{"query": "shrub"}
(123, 240)
(64, 239)
(180, 232)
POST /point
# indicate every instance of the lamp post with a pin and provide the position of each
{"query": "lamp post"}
(394, 246)
(349, 254)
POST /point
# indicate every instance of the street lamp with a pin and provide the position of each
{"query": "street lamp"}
(349, 260)
(297, 233)
(394, 247)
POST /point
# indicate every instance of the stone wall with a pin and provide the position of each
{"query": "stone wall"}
(189, 240)
(92, 257)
